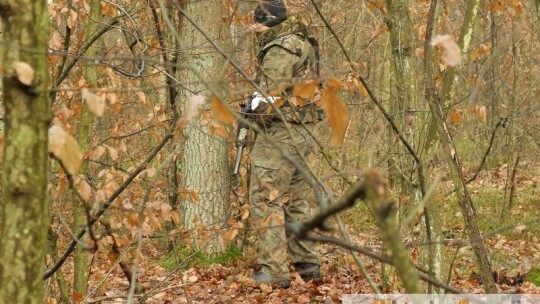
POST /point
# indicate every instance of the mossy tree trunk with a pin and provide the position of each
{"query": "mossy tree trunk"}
(25, 218)
(80, 256)
(456, 169)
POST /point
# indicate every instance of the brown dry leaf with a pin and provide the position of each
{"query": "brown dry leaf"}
(191, 111)
(72, 18)
(336, 111)
(456, 117)
(481, 114)
(96, 104)
(480, 51)
(450, 52)
(64, 147)
(230, 235)
(220, 111)
(133, 219)
(305, 89)
(245, 213)
(154, 220)
(76, 297)
(85, 190)
(113, 153)
(24, 72)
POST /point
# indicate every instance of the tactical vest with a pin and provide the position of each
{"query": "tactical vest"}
(306, 67)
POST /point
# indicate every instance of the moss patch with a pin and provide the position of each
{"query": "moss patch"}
(183, 257)
(534, 276)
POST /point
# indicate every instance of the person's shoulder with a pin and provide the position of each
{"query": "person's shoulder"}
(290, 42)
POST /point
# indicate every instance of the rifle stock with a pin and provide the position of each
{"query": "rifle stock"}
(241, 137)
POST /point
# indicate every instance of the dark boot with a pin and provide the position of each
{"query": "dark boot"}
(262, 277)
(308, 271)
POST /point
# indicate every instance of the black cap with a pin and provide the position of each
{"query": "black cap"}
(270, 12)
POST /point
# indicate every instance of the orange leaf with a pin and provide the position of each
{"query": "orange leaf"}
(336, 111)
(333, 83)
(456, 117)
(362, 89)
(220, 111)
(195, 196)
(305, 89)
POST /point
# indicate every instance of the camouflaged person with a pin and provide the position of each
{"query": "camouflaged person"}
(278, 192)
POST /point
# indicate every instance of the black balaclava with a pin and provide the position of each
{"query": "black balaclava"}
(270, 13)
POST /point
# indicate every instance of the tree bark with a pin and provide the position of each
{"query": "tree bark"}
(25, 217)
(204, 159)
(80, 256)
(377, 198)
(456, 169)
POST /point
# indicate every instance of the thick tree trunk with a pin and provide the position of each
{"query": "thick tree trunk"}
(204, 161)
(25, 217)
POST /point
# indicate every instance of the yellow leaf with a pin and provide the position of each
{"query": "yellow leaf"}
(220, 111)
(481, 114)
(64, 147)
(96, 104)
(336, 111)
(306, 89)
(24, 72)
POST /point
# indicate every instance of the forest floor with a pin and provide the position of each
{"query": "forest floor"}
(512, 241)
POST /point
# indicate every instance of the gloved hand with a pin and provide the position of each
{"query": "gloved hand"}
(257, 98)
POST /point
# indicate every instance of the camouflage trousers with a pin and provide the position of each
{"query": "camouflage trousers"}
(279, 194)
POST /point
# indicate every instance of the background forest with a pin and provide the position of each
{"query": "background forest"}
(118, 126)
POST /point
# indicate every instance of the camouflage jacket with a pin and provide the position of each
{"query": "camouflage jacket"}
(286, 59)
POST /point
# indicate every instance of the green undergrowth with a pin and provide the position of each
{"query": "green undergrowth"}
(183, 257)
(534, 276)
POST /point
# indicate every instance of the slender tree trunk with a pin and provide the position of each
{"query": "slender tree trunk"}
(80, 256)
(536, 4)
(464, 198)
(204, 160)
(406, 104)
(377, 198)
(25, 217)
